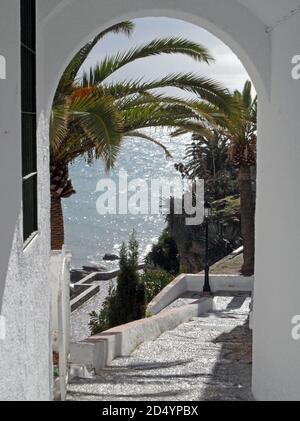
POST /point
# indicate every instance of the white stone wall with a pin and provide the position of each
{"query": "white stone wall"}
(25, 357)
(276, 374)
(195, 283)
(10, 132)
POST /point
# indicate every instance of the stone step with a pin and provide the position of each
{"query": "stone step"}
(208, 358)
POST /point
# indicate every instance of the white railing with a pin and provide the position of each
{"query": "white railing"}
(60, 316)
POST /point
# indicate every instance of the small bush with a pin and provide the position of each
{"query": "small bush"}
(99, 322)
(126, 302)
(164, 254)
(155, 281)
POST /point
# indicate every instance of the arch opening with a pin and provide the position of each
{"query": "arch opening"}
(139, 69)
(240, 35)
(233, 45)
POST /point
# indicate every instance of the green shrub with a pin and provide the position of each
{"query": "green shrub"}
(126, 302)
(155, 281)
(164, 254)
(99, 322)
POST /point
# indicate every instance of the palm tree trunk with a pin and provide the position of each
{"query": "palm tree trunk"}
(247, 219)
(60, 188)
(57, 224)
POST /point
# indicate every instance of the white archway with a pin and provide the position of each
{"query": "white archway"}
(266, 54)
(241, 35)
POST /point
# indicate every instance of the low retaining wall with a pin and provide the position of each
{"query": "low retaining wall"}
(99, 351)
(234, 283)
(195, 283)
(104, 276)
(93, 289)
(86, 295)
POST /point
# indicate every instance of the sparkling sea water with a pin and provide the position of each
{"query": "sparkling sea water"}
(89, 235)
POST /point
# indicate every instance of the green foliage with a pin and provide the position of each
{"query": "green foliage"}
(126, 302)
(242, 130)
(99, 322)
(67, 81)
(156, 47)
(208, 158)
(155, 281)
(91, 115)
(56, 372)
(164, 254)
(226, 210)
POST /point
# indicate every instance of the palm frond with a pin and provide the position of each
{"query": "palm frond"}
(154, 48)
(92, 118)
(200, 109)
(93, 123)
(246, 95)
(205, 89)
(189, 126)
(58, 127)
(74, 66)
(154, 115)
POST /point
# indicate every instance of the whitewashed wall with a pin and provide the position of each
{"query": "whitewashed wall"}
(277, 281)
(10, 136)
(25, 358)
(25, 364)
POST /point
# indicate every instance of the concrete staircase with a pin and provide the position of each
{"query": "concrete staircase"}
(208, 358)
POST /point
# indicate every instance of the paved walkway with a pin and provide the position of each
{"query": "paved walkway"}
(80, 318)
(208, 358)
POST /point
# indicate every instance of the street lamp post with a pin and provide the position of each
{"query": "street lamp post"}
(207, 215)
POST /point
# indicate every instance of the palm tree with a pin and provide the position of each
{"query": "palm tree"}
(64, 130)
(91, 116)
(242, 133)
(239, 127)
(208, 159)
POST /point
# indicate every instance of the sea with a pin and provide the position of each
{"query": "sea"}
(89, 235)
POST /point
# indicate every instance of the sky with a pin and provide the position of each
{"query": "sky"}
(226, 69)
